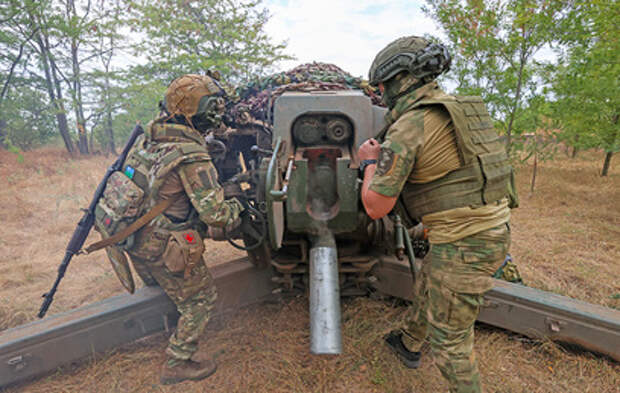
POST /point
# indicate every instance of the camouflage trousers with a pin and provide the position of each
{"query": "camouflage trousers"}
(447, 300)
(194, 297)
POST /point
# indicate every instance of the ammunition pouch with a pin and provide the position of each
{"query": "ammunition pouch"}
(150, 243)
(183, 251)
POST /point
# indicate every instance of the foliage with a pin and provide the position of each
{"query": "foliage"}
(16, 151)
(494, 44)
(586, 82)
(191, 36)
(538, 129)
(538, 134)
(67, 64)
(135, 102)
(29, 120)
(76, 55)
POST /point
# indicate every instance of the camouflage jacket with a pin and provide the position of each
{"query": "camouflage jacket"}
(171, 161)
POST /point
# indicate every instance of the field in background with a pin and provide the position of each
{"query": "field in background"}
(566, 239)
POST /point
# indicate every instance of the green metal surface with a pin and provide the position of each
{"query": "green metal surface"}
(271, 180)
(298, 218)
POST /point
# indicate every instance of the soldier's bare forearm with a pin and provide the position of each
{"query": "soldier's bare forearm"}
(376, 205)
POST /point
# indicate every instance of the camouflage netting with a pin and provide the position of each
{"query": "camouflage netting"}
(255, 99)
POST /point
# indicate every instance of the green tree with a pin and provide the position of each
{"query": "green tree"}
(84, 31)
(134, 101)
(106, 45)
(29, 119)
(538, 131)
(61, 39)
(494, 44)
(36, 26)
(15, 32)
(69, 50)
(191, 36)
(586, 84)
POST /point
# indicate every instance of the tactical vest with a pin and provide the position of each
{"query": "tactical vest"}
(135, 190)
(485, 171)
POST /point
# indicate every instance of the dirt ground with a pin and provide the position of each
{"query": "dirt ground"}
(566, 239)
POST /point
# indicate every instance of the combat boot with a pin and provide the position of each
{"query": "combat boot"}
(175, 371)
(394, 341)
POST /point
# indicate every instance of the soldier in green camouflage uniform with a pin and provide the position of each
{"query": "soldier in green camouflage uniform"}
(439, 162)
(171, 161)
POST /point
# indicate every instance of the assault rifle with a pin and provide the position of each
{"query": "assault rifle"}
(88, 219)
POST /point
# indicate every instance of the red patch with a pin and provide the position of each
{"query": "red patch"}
(190, 238)
(107, 221)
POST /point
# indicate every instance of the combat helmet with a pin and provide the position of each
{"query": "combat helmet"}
(196, 98)
(423, 59)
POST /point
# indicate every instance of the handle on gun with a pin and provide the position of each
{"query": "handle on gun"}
(411, 256)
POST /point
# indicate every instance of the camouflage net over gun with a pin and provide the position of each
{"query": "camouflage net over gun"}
(255, 99)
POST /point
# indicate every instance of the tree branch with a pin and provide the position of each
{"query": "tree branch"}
(5, 88)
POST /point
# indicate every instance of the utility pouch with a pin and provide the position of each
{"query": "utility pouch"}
(183, 251)
(118, 207)
(496, 171)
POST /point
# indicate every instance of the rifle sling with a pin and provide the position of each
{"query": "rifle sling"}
(139, 223)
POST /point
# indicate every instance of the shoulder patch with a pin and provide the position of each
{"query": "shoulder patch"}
(386, 162)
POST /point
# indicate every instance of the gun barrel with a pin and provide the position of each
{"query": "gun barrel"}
(325, 331)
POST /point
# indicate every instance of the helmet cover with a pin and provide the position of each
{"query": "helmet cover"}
(184, 94)
(416, 55)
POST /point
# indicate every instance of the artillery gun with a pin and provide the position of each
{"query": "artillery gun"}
(297, 170)
(306, 186)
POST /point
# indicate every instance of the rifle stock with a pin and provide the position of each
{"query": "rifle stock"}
(86, 222)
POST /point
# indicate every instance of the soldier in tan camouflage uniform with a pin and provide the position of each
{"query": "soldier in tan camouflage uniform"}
(439, 162)
(171, 161)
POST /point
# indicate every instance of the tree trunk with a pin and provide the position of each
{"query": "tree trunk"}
(82, 138)
(110, 131)
(534, 173)
(607, 163)
(611, 142)
(51, 80)
(77, 100)
(575, 143)
(5, 89)
(3, 134)
(76, 91)
(513, 113)
(91, 143)
(61, 113)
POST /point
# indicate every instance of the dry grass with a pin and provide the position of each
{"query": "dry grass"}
(566, 238)
(566, 235)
